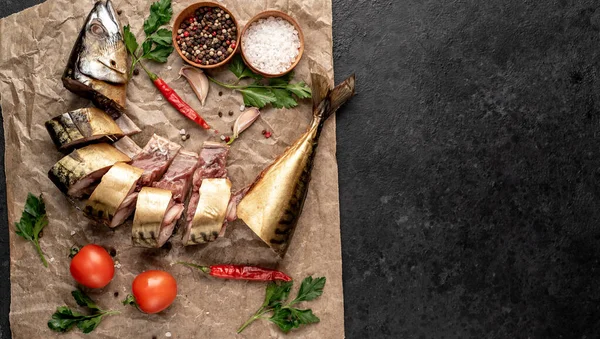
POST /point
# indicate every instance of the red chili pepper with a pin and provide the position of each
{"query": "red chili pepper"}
(241, 272)
(175, 100)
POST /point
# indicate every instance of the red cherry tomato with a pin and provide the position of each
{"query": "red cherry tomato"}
(154, 290)
(92, 266)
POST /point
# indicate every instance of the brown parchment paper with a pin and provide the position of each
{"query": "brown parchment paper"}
(34, 47)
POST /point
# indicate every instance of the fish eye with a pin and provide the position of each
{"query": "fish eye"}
(97, 29)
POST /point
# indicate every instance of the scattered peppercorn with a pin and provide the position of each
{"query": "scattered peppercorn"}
(119, 12)
(230, 113)
(112, 252)
(264, 131)
(227, 139)
(267, 135)
(116, 294)
(202, 38)
(220, 114)
(136, 71)
(220, 93)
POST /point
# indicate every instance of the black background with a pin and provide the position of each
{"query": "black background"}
(469, 167)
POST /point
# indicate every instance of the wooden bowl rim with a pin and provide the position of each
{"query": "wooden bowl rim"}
(192, 8)
(285, 16)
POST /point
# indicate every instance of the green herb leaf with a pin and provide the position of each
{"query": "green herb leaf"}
(287, 317)
(146, 47)
(32, 222)
(130, 41)
(257, 96)
(160, 53)
(160, 14)
(83, 300)
(277, 293)
(40, 223)
(34, 206)
(88, 325)
(162, 37)
(64, 318)
(304, 317)
(284, 99)
(60, 324)
(24, 227)
(300, 89)
(240, 70)
(283, 318)
(282, 80)
(310, 289)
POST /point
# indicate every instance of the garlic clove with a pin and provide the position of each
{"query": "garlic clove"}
(245, 120)
(198, 81)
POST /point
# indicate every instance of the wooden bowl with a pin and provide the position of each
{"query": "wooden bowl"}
(188, 12)
(276, 14)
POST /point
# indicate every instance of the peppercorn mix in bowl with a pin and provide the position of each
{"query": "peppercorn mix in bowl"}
(272, 43)
(206, 35)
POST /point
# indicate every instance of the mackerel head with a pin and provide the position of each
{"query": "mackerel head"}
(273, 203)
(97, 67)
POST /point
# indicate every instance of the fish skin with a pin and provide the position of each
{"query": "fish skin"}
(82, 162)
(151, 207)
(119, 182)
(81, 127)
(63, 130)
(274, 202)
(210, 212)
(97, 67)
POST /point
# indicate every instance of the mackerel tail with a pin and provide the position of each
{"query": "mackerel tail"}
(273, 203)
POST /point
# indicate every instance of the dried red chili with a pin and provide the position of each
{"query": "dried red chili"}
(174, 99)
(241, 272)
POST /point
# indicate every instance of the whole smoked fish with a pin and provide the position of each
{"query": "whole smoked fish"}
(274, 201)
(97, 67)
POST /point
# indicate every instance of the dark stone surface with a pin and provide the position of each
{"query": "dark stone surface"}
(468, 166)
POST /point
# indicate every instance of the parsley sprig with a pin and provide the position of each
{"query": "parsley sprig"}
(33, 220)
(278, 92)
(285, 315)
(158, 44)
(64, 318)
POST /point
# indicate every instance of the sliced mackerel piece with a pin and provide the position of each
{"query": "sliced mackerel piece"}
(155, 158)
(156, 214)
(178, 177)
(207, 207)
(113, 201)
(81, 127)
(78, 171)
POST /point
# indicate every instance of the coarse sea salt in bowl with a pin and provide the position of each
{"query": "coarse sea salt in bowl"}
(272, 43)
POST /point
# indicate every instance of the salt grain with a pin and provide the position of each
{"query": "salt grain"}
(242, 108)
(168, 334)
(271, 45)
